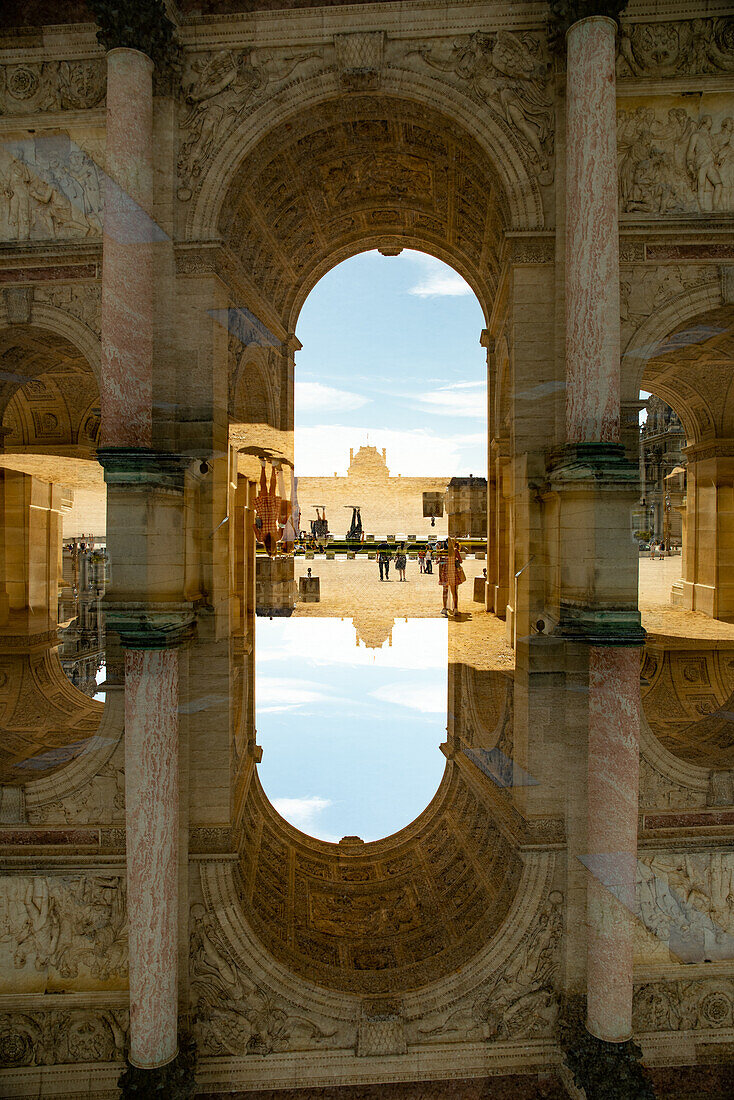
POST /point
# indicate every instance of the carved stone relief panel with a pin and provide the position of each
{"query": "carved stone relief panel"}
(51, 185)
(645, 289)
(688, 47)
(235, 1012)
(698, 1005)
(685, 907)
(518, 1002)
(219, 86)
(676, 157)
(62, 932)
(508, 73)
(84, 302)
(29, 87)
(63, 1036)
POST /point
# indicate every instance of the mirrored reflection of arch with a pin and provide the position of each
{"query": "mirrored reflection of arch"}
(50, 402)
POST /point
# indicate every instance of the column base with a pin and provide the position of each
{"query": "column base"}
(174, 1081)
(605, 1071)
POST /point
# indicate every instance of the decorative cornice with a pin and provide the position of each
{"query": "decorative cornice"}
(138, 25)
(564, 13)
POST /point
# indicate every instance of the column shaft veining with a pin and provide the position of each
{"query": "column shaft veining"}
(592, 235)
(127, 253)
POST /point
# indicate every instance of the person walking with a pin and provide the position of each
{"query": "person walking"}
(450, 575)
(400, 562)
(428, 563)
(422, 561)
(383, 560)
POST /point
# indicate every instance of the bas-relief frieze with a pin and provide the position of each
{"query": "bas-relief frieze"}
(685, 907)
(644, 290)
(508, 73)
(685, 1005)
(518, 1002)
(47, 1037)
(28, 87)
(51, 186)
(657, 791)
(675, 159)
(62, 932)
(101, 801)
(235, 1012)
(81, 302)
(219, 87)
(688, 47)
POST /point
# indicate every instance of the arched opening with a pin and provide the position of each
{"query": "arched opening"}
(390, 412)
(51, 622)
(692, 371)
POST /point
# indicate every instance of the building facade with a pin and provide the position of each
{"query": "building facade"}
(174, 183)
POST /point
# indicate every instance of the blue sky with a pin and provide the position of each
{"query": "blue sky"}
(350, 735)
(391, 351)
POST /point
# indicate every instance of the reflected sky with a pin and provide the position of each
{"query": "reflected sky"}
(350, 734)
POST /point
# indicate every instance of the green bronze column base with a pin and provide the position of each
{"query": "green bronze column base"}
(174, 1081)
(605, 1071)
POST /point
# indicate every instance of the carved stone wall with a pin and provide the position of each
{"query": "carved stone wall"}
(385, 916)
(62, 933)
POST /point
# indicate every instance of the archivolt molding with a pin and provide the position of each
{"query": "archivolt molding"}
(249, 1002)
(521, 190)
(91, 789)
(675, 294)
(666, 781)
(65, 314)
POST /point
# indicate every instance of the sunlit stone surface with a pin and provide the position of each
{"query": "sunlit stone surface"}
(395, 840)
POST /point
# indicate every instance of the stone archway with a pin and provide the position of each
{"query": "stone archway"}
(693, 371)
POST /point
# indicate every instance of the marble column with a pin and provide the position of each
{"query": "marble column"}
(127, 253)
(151, 812)
(604, 615)
(592, 234)
(612, 786)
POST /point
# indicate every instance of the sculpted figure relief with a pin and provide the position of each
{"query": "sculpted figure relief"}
(519, 1001)
(54, 928)
(52, 86)
(675, 165)
(687, 903)
(684, 1005)
(57, 1037)
(233, 1014)
(50, 188)
(690, 46)
(218, 88)
(509, 72)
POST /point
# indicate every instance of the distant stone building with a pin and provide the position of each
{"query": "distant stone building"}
(389, 505)
(662, 491)
(466, 507)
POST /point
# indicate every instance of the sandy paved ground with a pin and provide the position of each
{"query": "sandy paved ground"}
(660, 617)
(353, 590)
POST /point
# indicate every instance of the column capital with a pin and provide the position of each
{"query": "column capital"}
(564, 13)
(138, 467)
(137, 25)
(150, 627)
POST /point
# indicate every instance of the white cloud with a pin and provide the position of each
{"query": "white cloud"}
(425, 698)
(323, 449)
(314, 397)
(323, 643)
(275, 694)
(461, 399)
(439, 280)
(303, 814)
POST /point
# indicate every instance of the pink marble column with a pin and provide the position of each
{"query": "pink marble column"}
(151, 812)
(592, 245)
(612, 793)
(127, 255)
